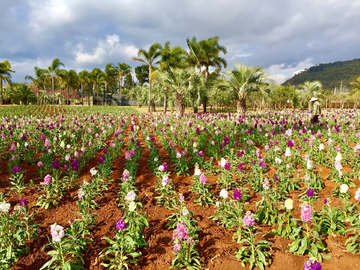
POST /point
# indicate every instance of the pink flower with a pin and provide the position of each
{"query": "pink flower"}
(165, 181)
(182, 231)
(177, 247)
(47, 180)
(357, 194)
(249, 219)
(81, 193)
(39, 164)
(126, 173)
(306, 213)
(57, 232)
(203, 179)
(130, 197)
(181, 197)
(47, 143)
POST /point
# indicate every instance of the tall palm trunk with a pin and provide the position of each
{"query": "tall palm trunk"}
(241, 106)
(53, 88)
(149, 88)
(2, 97)
(67, 96)
(165, 99)
(179, 104)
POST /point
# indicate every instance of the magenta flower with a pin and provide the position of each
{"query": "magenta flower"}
(306, 213)
(312, 265)
(237, 194)
(249, 219)
(75, 165)
(23, 202)
(227, 165)
(47, 143)
(13, 148)
(16, 169)
(310, 192)
(120, 224)
(102, 159)
(165, 181)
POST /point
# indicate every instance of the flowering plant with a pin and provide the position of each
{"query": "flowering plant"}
(68, 250)
(254, 252)
(121, 248)
(202, 190)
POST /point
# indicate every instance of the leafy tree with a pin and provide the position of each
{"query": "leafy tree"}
(241, 82)
(20, 92)
(142, 74)
(308, 90)
(70, 80)
(53, 72)
(122, 70)
(150, 58)
(5, 75)
(184, 84)
(128, 82)
(85, 81)
(205, 53)
(140, 93)
(107, 77)
(37, 81)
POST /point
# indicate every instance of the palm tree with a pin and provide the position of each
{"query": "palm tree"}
(184, 83)
(37, 81)
(308, 90)
(54, 72)
(94, 79)
(70, 79)
(5, 75)
(122, 70)
(149, 58)
(21, 92)
(242, 81)
(205, 53)
(107, 78)
(84, 79)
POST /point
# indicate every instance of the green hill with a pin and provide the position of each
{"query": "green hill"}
(330, 75)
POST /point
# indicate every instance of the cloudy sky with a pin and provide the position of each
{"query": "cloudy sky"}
(282, 36)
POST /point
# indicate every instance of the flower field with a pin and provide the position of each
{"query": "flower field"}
(108, 188)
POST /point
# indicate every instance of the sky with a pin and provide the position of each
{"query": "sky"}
(281, 36)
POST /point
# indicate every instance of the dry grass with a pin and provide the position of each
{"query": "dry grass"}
(144, 109)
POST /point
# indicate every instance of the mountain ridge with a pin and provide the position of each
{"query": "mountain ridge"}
(337, 74)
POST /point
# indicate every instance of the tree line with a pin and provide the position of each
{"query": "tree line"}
(170, 75)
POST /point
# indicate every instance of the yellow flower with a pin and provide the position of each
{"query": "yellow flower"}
(62, 144)
(289, 204)
(132, 206)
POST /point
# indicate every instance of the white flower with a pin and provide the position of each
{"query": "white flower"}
(344, 188)
(5, 207)
(338, 157)
(321, 147)
(130, 197)
(309, 165)
(197, 170)
(67, 157)
(62, 144)
(68, 146)
(278, 160)
(276, 149)
(57, 232)
(223, 193)
(93, 171)
(195, 144)
(178, 155)
(287, 152)
(222, 162)
(289, 204)
(132, 206)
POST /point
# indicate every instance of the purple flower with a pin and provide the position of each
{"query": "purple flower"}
(66, 167)
(312, 265)
(276, 178)
(23, 202)
(310, 192)
(120, 224)
(240, 154)
(75, 165)
(237, 194)
(105, 150)
(241, 167)
(326, 200)
(102, 159)
(16, 169)
(56, 164)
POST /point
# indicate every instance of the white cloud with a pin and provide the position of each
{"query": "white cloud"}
(109, 50)
(282, 72)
